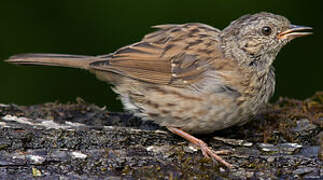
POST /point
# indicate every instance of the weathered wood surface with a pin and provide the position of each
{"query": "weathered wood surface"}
(80, 141)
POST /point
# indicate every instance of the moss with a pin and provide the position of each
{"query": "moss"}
(3, 146)
(283, 114)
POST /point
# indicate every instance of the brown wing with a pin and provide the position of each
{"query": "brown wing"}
(175, 54)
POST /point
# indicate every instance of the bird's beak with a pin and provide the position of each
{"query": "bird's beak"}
(294, 31)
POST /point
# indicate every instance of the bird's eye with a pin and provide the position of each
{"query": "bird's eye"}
(266, 30)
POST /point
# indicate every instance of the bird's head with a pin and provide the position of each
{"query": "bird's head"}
(259, 37)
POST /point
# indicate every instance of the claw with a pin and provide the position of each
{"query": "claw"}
(215, 156)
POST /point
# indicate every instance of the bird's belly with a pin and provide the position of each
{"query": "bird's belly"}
(223, 116)
(196, 114)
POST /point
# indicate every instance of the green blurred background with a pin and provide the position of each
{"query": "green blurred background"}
(95, 27)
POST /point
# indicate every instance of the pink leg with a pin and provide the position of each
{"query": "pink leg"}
(207, 152)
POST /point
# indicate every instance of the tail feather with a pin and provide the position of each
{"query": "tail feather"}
(64, 60)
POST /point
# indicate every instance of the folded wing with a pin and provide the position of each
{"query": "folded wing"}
(176, 55)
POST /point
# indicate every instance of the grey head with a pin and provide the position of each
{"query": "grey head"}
(255, 40)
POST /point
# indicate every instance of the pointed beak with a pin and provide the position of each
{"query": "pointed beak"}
(294, 31)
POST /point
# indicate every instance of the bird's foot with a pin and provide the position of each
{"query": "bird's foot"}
(206, 150)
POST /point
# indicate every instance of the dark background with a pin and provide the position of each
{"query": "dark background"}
(101, 26)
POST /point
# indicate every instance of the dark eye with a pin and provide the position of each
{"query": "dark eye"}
(266, 30)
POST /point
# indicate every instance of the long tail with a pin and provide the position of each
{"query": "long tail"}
(64, 60)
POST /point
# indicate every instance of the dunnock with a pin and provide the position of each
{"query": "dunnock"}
(192, 78)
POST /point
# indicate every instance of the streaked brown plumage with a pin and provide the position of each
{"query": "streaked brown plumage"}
(192, 78)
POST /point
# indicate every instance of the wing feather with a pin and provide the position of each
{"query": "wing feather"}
(176, 55)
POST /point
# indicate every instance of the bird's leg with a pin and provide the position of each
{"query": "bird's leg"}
(207, 151)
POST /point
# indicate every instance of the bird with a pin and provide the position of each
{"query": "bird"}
(192, 78)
